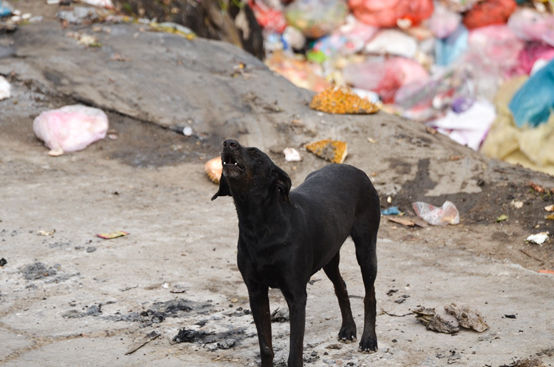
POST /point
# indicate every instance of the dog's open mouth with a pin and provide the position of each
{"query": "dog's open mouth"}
(230, 163)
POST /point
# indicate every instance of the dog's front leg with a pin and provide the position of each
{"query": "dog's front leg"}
(296, 300)
(259, 303)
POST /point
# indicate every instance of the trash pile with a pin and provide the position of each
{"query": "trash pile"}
(479, 71)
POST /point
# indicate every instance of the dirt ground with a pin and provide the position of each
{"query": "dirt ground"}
(69, 298)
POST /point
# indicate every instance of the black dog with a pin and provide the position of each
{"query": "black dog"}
(285, 237)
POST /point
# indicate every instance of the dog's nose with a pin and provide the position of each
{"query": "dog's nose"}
(231, 144)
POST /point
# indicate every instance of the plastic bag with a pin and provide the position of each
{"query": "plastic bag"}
(385, 76)
(492, 56)
(531, 53)
(449, 49)
(387, 13)
(392, 42)
(489, 12)
(530, 25)
(316, 18)
(470, 127)
(447, 214)
(443, 21)
(70, 128)
(534, 101)
(5, 88)
(348, 39)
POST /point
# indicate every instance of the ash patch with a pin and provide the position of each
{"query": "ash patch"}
(159, 311)
(92, 310)
(38, 270)
(211, 340)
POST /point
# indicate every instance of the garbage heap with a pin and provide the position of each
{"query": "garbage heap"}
(481, 72)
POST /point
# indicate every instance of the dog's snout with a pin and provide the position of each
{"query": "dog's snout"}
(231, 144)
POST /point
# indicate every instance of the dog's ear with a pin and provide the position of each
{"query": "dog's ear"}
(282, 182)
(223, 188)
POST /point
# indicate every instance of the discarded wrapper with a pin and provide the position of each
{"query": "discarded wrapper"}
(292, 155)
(342, 101)
(213, 169)
(538, 238)
(332, 150)
(111, 235)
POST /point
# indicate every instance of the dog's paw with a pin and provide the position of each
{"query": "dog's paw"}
(368, 345)
(347, 333)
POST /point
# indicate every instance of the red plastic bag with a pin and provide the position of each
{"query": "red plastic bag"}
(489, 12)
(386, 13)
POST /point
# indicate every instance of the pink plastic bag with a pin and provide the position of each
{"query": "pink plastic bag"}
(447, 214)
(530, 25)
(385, 76)
(443, 21)
(70, 128)
(386, 13)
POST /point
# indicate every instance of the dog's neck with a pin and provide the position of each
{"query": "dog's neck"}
(250, 209)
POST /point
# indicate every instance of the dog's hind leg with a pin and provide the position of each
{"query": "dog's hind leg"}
(365, 238)
(348, 328)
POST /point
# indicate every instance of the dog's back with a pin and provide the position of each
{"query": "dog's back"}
(332, 201)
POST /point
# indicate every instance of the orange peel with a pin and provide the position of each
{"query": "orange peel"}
(332, 150)
(342, 101)
(213, 169)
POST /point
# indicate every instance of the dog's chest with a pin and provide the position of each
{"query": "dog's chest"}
(269, 264)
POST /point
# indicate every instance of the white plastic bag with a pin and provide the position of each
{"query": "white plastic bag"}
(447, 214)
(5, 88)
(70, 128)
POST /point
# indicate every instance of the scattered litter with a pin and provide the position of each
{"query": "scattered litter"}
(46, 233)
(332, 150)
(393, 210)
(451, 318)
(100, 3)
(447, 214)
(292, 155)
(3, 262)
(5, 88)
(546, 271)
(538, 238)
(316, 18)
(510, 316)
(111, 235)
(342, 101)
(78, 15)
(213, 169)
(4, 10)
(70, 128)
(280, 315)
(144, 340)
(187, 131)
(501, 218)
(516, 204)
(536, 187)
(549, 208)
(90, 249)
(408, 222)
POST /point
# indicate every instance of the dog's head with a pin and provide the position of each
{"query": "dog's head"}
(250, 171)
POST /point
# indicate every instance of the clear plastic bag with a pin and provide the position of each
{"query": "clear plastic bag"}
(447, 214)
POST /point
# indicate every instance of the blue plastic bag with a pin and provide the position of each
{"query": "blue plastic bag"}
(534, 101)
(448, 49)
